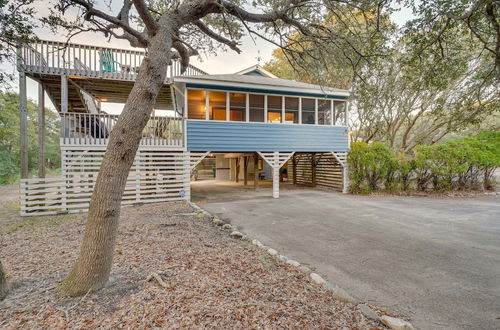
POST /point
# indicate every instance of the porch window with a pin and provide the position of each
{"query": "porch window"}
(274, 109)
(238, 105)
(291, 110)
(256, 108)
(340, 109)
(308, 111)
(217, 105)
(196, 104)
(324, 112)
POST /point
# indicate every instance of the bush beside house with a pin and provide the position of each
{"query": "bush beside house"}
(463, 164)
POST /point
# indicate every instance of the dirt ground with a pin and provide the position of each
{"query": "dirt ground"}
(213, 281)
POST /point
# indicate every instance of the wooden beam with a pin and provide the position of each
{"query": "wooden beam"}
(23, 125)
(255, 171)
(294, 169)
(313, 169)
(245, 170)
(41, 131)
(237, 179)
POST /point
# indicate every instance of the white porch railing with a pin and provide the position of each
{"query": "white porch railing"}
(59, 58)
(84, 129)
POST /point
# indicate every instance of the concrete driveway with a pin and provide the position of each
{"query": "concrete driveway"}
(436, 261)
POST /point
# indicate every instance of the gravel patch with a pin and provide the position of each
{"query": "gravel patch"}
(173, 268)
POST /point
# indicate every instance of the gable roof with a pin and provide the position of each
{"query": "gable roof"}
(256, 70)
(262, 83)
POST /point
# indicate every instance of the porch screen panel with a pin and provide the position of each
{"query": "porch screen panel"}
(308, 111)
(340, 109)
(274, 109)
(256, 108)
(291, 110)
(238, 105)
(217, 105)
(196, 104)
(324, 112)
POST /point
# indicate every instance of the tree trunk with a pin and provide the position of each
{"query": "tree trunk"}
(4, 288)
(93, 266)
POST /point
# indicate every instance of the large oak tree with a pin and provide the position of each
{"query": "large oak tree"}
(167, 30)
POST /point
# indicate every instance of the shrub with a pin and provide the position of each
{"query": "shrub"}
(467, 163)
(369, 165)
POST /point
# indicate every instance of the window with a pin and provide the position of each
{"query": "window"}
(291, 110)
(324, 112)
(196, 104)
(308, 111)
(274, 109)
(340, 109)
(238, 106)
(256, 108)
(217, 105)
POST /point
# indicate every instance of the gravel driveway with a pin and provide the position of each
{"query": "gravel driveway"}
(436, 261)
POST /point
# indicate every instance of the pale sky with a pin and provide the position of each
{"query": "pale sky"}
(224, 62)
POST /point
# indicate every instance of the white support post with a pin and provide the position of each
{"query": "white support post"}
(228, 106)
(276, 175)
(316, 111)
(345, 178)
(265, 108)
(247, 108)
(332, 113)
(23, 126)
(283, 109)
(300, 110)
(207, 105)
(64, 94)
(41, 131)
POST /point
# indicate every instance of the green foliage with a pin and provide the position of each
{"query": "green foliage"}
(370, 164)
(466, 163)
(9, 137)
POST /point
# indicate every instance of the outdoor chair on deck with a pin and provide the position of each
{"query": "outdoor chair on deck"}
(109, 64)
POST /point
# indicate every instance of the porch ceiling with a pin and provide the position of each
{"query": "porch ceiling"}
(112, 91)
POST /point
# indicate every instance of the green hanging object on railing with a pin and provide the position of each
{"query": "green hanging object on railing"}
(108, 61)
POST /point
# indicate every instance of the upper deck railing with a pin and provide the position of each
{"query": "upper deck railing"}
(59, 58)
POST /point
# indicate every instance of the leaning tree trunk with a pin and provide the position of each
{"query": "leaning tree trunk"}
(4, 288)
(93, 266)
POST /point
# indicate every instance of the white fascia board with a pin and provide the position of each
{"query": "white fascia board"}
(223, 83)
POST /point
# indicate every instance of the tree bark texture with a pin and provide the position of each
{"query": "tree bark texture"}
(4, 288)
(93, 266)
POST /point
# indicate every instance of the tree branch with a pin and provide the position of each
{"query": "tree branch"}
(149, 21)
(230, 43)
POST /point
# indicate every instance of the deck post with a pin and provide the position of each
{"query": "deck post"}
(345, 178)
(41, 131)
(237, 176)
(64, 94)
(313, 169)
(245, 170)
(255, 171)
(23, 125)
(276, 175)
(294, 169)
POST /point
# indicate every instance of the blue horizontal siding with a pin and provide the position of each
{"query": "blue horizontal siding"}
(237, 136)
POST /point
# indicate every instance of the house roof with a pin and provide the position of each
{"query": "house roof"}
(259, 82)
(256, 70)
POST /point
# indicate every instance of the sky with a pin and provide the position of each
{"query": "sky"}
(254, 51)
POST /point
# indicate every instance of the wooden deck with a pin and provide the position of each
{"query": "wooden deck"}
(76, 60)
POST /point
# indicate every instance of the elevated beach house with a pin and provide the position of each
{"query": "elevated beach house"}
(249, 125)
